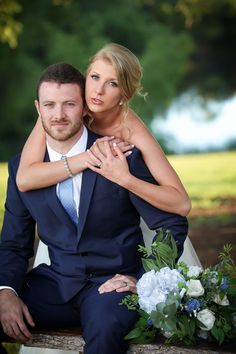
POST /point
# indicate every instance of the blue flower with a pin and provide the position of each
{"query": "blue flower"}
(224, 283)
(192, 305)
(149, 321)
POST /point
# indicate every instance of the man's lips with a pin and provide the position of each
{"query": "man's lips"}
(59, 124)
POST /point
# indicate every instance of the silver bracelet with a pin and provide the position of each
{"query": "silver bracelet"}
(66, 165)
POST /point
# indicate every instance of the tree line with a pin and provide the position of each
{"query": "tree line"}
(182, 45)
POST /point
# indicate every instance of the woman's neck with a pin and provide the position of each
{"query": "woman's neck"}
(108, 123)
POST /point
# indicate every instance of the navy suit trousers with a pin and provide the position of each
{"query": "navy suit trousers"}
(102, 319)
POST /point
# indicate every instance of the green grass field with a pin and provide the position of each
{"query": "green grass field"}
(210, 179)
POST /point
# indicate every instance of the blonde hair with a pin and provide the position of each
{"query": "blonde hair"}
(127, 66)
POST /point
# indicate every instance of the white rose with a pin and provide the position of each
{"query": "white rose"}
(207, 317)
(167, 334)
(194, 271)
(222, 302)
(195, 288)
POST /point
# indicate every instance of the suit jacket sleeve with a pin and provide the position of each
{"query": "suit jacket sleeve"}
(17, 236)
(154, 217)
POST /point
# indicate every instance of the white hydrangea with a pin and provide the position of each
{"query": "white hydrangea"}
(168, 279)
(194, 271)
(153, 287)
(149, 292)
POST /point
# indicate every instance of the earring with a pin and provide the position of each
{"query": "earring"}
(120, 103)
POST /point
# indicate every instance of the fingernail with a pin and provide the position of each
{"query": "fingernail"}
(132, 146)
(129, 152)
(114, 144)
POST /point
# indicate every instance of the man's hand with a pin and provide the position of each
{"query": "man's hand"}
(119, 283)
(13, 313)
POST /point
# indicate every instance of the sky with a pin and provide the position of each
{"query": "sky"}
(193, 127)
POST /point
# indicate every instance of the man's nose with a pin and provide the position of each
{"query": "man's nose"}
(59, 111)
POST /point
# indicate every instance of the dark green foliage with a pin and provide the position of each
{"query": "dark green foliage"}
(181, 45)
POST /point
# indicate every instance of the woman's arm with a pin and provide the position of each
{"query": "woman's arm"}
(33, 173)
(169, 195)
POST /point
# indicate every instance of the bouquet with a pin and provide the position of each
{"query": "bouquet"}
(183, 302)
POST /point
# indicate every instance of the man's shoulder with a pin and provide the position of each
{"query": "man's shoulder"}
(14, 160)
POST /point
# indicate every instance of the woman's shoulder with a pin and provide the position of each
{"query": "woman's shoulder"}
(139, 131)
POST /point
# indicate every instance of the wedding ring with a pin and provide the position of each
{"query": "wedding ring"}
(125, 284)
(99, 165)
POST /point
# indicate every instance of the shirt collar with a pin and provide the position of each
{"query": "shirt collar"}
(80, 146)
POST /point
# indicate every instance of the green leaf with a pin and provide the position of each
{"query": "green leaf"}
(135, 333)
(149, 264)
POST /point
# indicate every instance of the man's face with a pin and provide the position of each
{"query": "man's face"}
(62, 110)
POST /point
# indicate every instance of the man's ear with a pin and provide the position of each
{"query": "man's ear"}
(85, 110)
(36, 103)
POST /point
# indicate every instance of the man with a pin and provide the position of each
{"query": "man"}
(94, 263)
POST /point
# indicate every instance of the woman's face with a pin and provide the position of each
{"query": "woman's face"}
(102, 89)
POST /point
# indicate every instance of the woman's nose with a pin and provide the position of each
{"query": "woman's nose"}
(100, 88)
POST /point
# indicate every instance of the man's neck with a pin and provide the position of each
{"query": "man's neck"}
(63, 147)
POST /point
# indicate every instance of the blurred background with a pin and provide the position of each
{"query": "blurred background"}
(188, 54)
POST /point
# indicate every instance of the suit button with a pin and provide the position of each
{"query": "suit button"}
(90, 275)
(83, 254)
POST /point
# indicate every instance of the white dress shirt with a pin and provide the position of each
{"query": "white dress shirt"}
(79, 147)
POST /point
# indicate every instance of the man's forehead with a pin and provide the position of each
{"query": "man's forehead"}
(53, 89)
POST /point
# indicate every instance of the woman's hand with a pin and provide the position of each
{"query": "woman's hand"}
(123, 145)
(111, 166)
(119, 283)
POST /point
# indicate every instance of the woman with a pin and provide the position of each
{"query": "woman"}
(113, 78)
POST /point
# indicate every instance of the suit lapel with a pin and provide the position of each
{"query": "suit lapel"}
(88, 183)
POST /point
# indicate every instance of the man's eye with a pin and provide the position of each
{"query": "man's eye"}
(48, 104)
(70, 104)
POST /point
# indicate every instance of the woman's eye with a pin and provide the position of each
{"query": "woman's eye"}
(113, 84)
(95, 77)
(70, 104)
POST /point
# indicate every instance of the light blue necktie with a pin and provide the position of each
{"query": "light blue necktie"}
(66, 197)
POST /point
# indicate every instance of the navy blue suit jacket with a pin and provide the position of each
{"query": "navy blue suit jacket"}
(104, 243)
